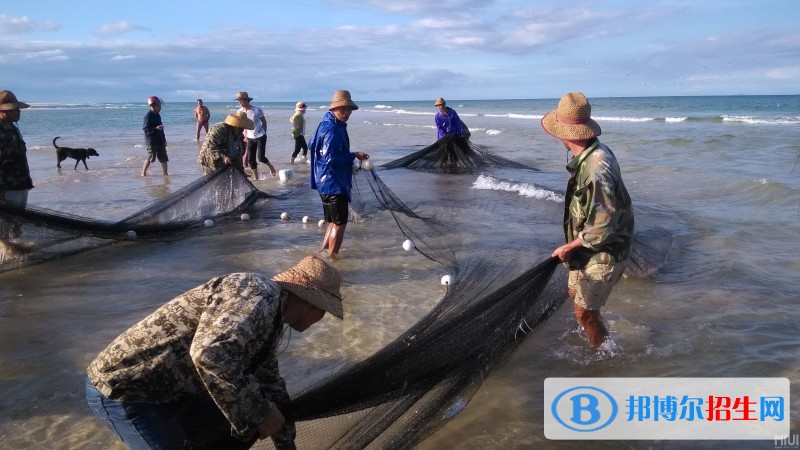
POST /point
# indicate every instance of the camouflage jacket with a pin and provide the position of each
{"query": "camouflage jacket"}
(218, 340)
(597, 209)
(220, 141)
(14, 172)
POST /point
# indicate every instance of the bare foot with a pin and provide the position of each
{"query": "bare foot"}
(272, 170)
(144, 174)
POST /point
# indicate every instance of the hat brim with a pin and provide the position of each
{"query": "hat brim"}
(14, 105)
(343, 103)
(569, 132)
(245, 123)
(319, 298)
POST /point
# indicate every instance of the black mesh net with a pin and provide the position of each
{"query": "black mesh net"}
(32, 235)
(454, 154)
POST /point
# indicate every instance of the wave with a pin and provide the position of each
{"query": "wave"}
(485, 182)
(762, 121)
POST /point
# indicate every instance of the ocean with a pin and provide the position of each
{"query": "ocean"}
(721, 173)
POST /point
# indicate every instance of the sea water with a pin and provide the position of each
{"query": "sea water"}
(721, 173)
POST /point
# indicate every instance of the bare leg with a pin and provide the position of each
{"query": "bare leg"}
(272, 170)
(164, 168)
(327, 239)
(592, 325)
(255, 173)
(199, 125)
(335, 239)
(146, 165)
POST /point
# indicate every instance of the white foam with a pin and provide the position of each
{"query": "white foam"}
(485, 182)
(676, 119)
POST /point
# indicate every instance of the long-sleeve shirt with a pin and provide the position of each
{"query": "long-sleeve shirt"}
(218, 340)
(597, 208)
(298, 121)
(220, 141)
(331, 160)
(448, 123)
(152, 135)
(14, 172)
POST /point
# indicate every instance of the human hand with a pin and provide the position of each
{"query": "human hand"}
(159, 127)
(227, 160)
(362, 156)
(271, 424)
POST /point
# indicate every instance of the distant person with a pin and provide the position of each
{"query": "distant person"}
(448, 123)
(203, 115)
(202, 370)
(598, 224)
(332, 169)
(223, 143)
(154, 136)
(298, 121)
(256, 138)
(15, 176)
(447, 120)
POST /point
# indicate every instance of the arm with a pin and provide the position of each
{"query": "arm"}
(228, 343)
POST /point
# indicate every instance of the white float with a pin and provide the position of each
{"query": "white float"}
(284, 216)
(131, 234)
(367, 165)
(208, 223)
(447, 280)
(245, 216)
(306, 219)
(408, 245)
(321, 223)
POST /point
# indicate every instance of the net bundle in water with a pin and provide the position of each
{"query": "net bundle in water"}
(454, 154)
(31, 235)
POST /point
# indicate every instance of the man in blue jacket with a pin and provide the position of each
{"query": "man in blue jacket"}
(332, 168)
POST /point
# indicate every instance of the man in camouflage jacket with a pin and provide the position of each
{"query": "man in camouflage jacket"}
(598, 214)
(211, 353)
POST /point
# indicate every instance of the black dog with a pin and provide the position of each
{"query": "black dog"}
(78, 154)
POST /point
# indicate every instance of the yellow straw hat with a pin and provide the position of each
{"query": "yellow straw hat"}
(316, 282)
(8, 101)
(572, 119)
(342, 98)
(240, 120)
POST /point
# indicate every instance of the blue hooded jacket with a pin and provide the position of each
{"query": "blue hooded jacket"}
(331, 160)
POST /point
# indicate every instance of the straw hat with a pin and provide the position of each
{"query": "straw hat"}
(300, 106)
(8, 101)
(316, 282)
(572, 119)
(342, 98)
(439, 102)
(243, 94)
(240, 120)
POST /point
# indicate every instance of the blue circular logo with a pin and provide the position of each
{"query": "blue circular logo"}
(584, 408)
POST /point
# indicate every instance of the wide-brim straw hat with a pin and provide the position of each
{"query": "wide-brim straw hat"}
(8, 101)
(439, 102)
(300, 106)
(243, 94)
(316, 282)
(342, 98)
(572, 119)
(240, 120)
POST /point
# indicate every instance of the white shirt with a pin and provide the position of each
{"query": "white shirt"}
(255, 114)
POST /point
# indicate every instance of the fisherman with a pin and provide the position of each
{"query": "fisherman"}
(332, 169)
(598, 214)
(223, 145)
(15, 176)
(202, 370)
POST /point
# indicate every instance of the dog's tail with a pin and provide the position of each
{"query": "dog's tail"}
(54, 142)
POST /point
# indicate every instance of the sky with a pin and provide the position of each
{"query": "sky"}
(88, 51)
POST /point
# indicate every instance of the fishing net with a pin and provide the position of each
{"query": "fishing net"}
(33, 235)
(453, 154)
(411, 387)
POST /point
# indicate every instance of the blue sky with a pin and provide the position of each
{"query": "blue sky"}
(104, 51)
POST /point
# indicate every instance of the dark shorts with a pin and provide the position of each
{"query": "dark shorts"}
(157, 152)
(256, 151)
(336, 208)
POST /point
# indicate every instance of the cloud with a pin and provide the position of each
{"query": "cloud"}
(14, 25)
(123, 57)
(784, 73)
(420, 6)
(117, 28)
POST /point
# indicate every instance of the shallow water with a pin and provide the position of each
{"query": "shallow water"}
(721, 178)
